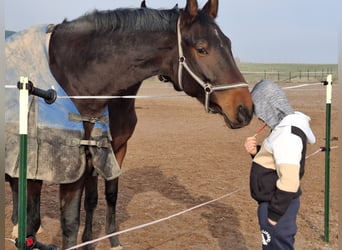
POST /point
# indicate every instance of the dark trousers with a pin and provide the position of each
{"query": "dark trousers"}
(282, 235)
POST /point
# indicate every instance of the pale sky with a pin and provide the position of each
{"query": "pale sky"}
(264, 31)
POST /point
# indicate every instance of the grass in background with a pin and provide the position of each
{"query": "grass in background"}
(283, 72)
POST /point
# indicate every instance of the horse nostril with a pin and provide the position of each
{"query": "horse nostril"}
(243, 114)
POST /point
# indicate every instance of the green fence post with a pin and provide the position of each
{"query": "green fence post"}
(22, 189)
(328, 84)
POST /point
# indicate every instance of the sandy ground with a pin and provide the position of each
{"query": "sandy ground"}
(180, 157)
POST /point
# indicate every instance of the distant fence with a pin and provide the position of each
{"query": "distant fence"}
(289, 76)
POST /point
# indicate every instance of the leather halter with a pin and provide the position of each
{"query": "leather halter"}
(208, 87)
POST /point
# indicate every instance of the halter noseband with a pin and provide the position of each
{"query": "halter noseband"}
(208, 87)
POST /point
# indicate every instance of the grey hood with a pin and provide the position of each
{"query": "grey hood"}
(270, 103)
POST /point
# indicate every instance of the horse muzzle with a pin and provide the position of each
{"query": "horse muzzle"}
(234, 104)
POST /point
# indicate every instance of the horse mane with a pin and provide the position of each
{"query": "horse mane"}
(126, 19)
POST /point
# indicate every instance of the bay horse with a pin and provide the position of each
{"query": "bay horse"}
(111, 53)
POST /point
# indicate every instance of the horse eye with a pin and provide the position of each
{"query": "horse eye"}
(202, 51)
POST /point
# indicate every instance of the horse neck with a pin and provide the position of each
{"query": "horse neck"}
(113, 61)
(157, 53)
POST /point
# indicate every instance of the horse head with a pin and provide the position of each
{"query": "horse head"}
(207, 69)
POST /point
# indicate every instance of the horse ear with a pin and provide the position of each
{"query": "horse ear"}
(211, 8)
(191, 8)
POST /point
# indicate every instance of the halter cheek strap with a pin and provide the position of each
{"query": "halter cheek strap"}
(208, 87)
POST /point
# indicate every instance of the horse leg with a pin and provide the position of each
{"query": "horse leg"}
(112, 187)
(90, 203)
(14, 218)
(34, 188)
(122, 122)
(33, 205)
(111, 193)
(70, 204)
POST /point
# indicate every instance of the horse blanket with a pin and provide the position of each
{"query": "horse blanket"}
(55, 147)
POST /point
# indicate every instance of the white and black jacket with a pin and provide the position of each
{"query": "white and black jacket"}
(279, 164)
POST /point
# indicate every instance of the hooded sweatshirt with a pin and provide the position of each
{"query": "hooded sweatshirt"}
(279, 164)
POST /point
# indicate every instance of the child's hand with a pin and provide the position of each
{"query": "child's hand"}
(251, 145)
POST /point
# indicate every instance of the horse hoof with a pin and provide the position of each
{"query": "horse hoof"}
(119, 247)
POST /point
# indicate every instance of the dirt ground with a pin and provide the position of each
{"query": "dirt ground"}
(180, 157)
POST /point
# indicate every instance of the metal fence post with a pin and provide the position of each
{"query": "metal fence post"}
(328, 84)
(22, 189)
